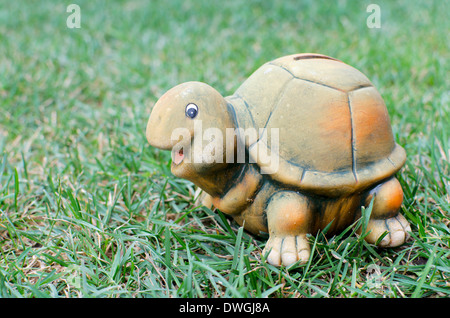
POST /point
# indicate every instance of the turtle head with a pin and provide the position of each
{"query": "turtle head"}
(191, 120)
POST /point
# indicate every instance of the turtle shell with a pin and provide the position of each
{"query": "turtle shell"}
(333, 128)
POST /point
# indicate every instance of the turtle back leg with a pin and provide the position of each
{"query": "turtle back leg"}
(288, 219)
(385, 215)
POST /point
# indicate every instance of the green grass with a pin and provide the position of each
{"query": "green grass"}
(89, 209)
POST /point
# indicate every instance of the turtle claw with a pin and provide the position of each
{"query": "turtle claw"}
(287, 250)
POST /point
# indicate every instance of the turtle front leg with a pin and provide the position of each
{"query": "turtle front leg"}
(288, 218)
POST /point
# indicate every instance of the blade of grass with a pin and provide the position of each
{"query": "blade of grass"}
(423, 276)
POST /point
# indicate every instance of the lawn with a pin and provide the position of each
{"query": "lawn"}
(89, 209)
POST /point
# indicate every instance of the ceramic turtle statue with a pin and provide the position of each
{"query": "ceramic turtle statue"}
(323, 148)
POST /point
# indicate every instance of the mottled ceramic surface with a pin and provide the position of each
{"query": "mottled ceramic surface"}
(324, 147)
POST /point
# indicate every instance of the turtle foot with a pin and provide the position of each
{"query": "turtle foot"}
(287, 250)
(203, 198)
(397, 228)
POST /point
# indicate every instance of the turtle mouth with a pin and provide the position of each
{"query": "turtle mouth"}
(177, 156)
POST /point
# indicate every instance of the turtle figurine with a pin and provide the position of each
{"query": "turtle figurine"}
(301, 145)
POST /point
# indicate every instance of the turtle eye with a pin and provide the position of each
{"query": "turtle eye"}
(191, 110)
